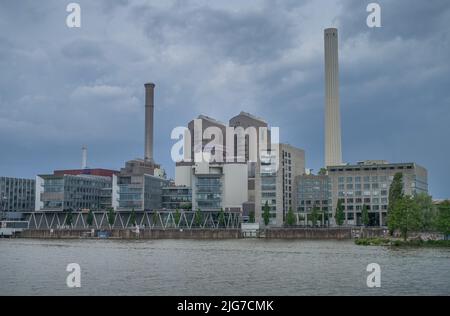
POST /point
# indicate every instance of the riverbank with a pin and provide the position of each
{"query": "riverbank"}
(300, 233)
(401, 243)
(131, 234)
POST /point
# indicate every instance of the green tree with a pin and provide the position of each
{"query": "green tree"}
(442, 220)
(133, 217)
(198, 218)
(90, 218)
(251, 217)
(69, 218)
(427, 209)
(177, 217)
(340, 215)
(406, 216)
(111, 216)
(221, 218)
(314, 216)
(266, 214)
(301, 217)
(186, 206)
(395, 195)
(322, 171)
(290, 218)
(326, 218)
(155, 217)
(365, 215)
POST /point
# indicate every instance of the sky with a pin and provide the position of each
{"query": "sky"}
(64, 87)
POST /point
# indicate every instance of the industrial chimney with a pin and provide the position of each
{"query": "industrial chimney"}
(84, 157)
(149, 107)
(333, 154)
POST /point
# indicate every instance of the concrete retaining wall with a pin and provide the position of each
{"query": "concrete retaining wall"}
(271, 233)
(128, 234)
(323, 233)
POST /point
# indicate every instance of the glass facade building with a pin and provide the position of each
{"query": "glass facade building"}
(16, 195)
(208, 193)
(74, 192)
(313, 191)
(142, 192)
(269, 178)
(176, 197)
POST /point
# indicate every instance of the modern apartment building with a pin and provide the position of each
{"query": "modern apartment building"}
(367, 183)
(16, 196)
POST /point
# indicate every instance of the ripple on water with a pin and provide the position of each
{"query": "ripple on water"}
(221, 267)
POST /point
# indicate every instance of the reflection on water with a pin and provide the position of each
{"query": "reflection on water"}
(228, 267)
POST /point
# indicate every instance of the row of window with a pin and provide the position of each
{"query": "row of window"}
(362, 193)
(366, 186)
(369, 207)
(365, 179)
(365, 200)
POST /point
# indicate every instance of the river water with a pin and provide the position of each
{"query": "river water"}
(218, 267)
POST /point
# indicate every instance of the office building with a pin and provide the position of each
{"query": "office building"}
(139, 189)
(176, 197)
(215, 186)
(16, 196)
(62, 191)
(313, 192)
(367, 183)
(278, 173)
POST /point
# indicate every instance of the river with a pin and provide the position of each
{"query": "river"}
(218, 267)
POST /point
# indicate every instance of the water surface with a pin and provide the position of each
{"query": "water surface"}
(218, 267)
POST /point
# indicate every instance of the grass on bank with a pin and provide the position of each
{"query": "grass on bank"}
(401, 243)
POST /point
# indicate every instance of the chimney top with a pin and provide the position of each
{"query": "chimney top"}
(149, 85)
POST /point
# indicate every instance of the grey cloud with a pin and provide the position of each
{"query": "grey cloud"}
(82, 49)
(61, 88)
(243, 37)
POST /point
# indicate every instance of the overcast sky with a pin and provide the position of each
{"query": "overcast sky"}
(61, 88)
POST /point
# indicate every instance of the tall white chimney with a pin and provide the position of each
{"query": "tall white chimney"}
(84, 157)
(333, 152)
(149, 108)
